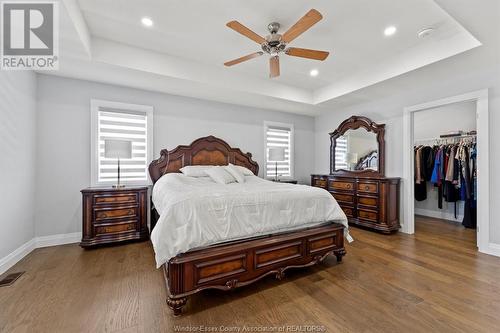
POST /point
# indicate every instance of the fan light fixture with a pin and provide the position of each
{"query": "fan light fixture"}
(275, 44)
(147, 22)
(390, 30)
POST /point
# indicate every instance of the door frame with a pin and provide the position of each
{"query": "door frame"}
(483, 195)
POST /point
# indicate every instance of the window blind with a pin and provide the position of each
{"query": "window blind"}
(122, 125)
(340, 153)
(279, 136)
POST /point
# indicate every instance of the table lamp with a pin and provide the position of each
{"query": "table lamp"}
(351, 158)
(276, 154)
(118, 149)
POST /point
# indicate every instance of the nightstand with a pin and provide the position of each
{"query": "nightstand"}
(114, 215)
(286, 181)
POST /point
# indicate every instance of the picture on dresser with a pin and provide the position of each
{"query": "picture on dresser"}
(357, 176)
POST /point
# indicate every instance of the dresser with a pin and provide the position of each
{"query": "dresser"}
(114, 215)
(367, 201)
(357, 175)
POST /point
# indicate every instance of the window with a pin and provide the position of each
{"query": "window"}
(121, 121)
(340, 153)
(279, 135)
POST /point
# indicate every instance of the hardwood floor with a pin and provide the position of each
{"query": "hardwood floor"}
(433, 281)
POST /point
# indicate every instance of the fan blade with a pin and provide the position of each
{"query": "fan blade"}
(307, 53)
(311, 18)
(245, 58)
(240, 28)
(274, 66)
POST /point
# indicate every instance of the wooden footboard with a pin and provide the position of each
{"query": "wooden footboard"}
(241, 263)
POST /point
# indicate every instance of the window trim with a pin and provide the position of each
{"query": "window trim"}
(267, 124)
(94, 152)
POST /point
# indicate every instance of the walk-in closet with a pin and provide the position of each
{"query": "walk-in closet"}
(445, 169)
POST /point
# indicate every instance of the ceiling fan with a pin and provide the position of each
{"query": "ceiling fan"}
(276, 44)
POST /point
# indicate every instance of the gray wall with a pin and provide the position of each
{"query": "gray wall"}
(17, 166)
(63, 140)
(474, 70)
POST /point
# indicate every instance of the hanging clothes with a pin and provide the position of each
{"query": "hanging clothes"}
(452, 169)
(421, 170)
(470, 206)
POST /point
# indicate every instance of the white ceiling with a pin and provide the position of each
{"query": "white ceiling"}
(183, 53)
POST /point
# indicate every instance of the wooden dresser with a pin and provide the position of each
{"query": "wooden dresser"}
(357, 175)
(367, 202)
(114, 215)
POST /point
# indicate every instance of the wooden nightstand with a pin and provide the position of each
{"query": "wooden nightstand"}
(114, 215)
(286, 181)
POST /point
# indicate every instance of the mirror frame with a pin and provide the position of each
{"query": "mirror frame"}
(354, 123)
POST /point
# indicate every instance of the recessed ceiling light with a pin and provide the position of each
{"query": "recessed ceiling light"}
(147, 21)
(390, 30)
(425, 32)
(314, 72)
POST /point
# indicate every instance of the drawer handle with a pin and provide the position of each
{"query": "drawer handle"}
(367, 187)
(348, 186)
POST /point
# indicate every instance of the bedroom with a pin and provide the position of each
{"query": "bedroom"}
(162, 65)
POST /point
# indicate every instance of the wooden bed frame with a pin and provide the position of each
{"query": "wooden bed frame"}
(237, 263)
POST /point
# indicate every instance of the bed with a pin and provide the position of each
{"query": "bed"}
(212, 236)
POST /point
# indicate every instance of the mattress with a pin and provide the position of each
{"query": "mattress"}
(197, 212)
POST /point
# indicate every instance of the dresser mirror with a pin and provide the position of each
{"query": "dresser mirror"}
(357, 146)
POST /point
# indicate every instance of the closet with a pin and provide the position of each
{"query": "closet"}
(445, 168)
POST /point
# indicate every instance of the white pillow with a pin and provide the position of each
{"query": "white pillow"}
(243, 170)
(195, 170)
(220, 175)
(235, 172)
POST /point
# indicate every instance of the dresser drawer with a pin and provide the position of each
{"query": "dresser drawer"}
(349, 211)
(368, 187)
(109, 213)
(368, 201)
(338, 185)
(343, 198)
(126, 198)
(319, 182)
(115, 228)
(368, 215)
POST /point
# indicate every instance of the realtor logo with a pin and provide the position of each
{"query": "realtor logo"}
(30, 35)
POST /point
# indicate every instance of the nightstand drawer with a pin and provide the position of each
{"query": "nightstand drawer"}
(115, 228)
(114, 213)
(103, 199)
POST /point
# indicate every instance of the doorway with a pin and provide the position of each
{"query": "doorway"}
(480, 99)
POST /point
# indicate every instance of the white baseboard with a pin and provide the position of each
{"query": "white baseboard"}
(60, 239)
(439, 215)
(12, 258)
(492, 249)
(15, 256)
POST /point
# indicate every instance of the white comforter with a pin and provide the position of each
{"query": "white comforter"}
(196, 212)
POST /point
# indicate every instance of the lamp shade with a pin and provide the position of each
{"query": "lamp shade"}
(351, 157)
(117, 149)
(277, 154)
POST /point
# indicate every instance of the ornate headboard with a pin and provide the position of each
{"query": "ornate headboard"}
(203, 151)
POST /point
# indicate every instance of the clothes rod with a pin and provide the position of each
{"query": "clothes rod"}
(448, 138)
